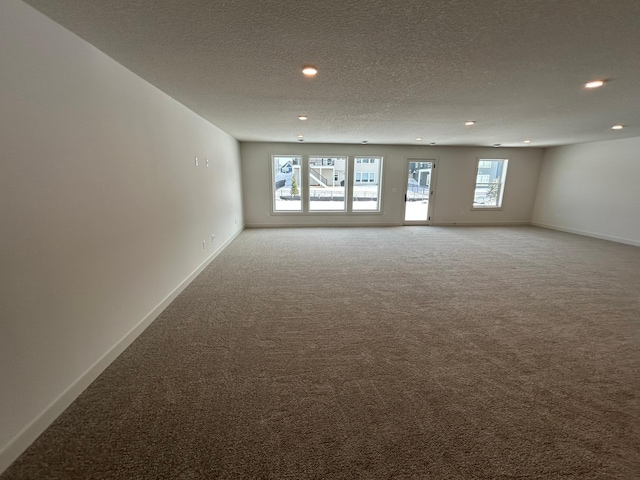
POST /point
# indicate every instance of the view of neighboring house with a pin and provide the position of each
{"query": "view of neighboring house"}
(490, 182)
(327, 181)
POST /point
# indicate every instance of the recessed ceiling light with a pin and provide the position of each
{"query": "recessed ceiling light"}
(301, 139)
(469, 123)
(418, 139)
(300, 136)
(309, 71)
(617, 127)
(302, 117)
(527, 141)
(594, 84)
(432, 143)
(497, 145)
(365, 141)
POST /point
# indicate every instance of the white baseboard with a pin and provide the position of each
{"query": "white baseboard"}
(10, 452)
(611, 238)
(480, 224)
(389, 224)
(323, 225)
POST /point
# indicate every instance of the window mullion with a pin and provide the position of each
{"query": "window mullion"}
(304, 173)
(348, 181)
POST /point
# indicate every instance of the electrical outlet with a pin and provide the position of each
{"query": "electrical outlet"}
(204, 245)
(196, 159)
(212, 237)
(206, 161)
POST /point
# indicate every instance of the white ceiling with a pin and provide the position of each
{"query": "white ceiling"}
(389, 70)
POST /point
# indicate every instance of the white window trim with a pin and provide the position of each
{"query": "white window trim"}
(503, 182)
(272, 185)
(306, 166)
(349, 186)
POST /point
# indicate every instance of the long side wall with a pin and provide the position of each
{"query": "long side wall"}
(103, 214)
(454, 183)
(592, 189)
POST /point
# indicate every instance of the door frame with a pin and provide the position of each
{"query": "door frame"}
(432, 187)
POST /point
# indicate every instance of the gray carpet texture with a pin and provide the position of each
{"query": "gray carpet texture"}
(374, 353)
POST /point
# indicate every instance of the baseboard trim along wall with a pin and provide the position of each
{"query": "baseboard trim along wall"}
(32, 431)
(480, 224)
(388, 224)
(611, 238)
(324, 225)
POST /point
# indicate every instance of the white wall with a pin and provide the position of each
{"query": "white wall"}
(455, 182)
(592, 189)
(102, 213)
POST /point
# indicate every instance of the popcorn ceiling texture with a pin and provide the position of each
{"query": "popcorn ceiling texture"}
(389, 70)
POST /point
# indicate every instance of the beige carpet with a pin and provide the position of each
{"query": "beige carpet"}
(374, 353)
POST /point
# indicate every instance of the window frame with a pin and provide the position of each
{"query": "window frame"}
(349, 183)
(367, 178)
(331, 163)
(481, 164)
(272, 182)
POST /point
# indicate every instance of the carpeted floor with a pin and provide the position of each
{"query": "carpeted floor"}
(374, 353)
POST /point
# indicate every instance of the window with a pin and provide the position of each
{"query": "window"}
(490, 180)
(326, 192)
(287, 188)
(366, 184)
(364, 177)
(310, 184)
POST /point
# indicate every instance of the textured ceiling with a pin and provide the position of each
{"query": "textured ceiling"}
(389, 70)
